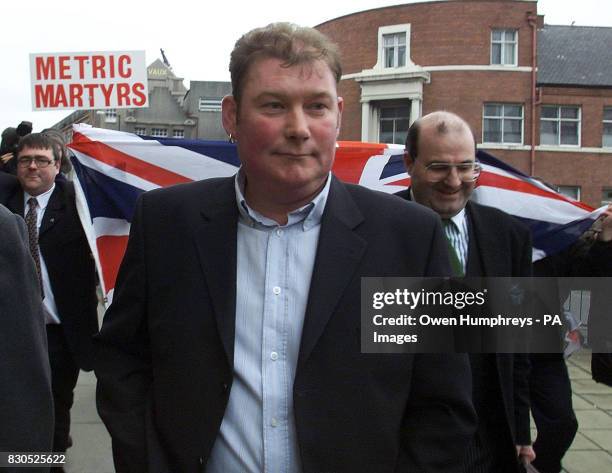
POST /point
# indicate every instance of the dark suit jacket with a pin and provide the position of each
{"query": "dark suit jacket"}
(503, 246)
(8, 185)
(165, 352)
(592, 261)
(26, 404)
(71, 268)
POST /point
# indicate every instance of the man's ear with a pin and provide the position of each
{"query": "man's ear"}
(408, 162)
(229, 115)
(340, 109)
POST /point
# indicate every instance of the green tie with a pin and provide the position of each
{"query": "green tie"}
(454, 259)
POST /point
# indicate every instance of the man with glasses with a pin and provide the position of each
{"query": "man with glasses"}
(64, 267)
(440, 157)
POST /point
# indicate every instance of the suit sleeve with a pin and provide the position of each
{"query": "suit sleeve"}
(123, 358)
(521, 363)
(440, 419)
(441, 397)
(26, 405)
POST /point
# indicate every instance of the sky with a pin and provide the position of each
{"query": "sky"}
(197, 36)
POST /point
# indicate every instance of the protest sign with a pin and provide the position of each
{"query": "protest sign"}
(88, 80)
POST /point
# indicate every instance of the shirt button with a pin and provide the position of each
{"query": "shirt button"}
(279, 232)
(276, 290)
(273, 422)
(274, 356)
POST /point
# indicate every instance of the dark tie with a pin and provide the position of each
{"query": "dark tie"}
(30, 220)
(455, 262)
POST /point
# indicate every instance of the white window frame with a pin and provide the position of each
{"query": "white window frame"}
(391, 104)
(140, 131)
(393, 50)
(392, 30)
(159, 132)
(178, 133)
(209, 104)
(558, 119)
(566, 190)
(603, 130)
(505, 44)
(110, 115)
(604, 201)
(503, 118)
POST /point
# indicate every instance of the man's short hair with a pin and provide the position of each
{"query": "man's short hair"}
(412, 140)
(40, 141)
(290, 43)
(442, 127)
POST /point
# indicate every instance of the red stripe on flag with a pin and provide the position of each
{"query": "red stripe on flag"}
(111, 250)
(402, 182)
(503, 182)
(117, 159)
(351, 158)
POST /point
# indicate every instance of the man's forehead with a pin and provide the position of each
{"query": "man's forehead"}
(29, 151)
(304, 69)
(452, 141)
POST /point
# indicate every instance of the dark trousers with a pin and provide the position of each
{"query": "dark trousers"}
(492, 448)
(64, 375)
(551, 407)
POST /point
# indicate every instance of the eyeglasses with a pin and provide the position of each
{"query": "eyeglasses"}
(41, 161)
(467, 172)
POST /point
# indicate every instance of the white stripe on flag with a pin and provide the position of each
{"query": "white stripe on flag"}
(111, 226)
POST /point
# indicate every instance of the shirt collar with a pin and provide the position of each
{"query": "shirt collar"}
(459, 220)
(42, 199)
(310, 214)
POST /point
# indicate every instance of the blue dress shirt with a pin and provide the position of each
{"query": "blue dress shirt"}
(274, 269)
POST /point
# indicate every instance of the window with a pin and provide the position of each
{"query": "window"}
(159, 132)
(110, 115)
(504, 47)
(393, 124)
(209, 104)
(573, 192)
(502, 123)
(394, 50)
(140, 130)
(606, 139)
(560, 125)
(606, 196)
(178, 134)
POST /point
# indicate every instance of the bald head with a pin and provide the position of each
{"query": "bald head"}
(440, 158)
(436, 123)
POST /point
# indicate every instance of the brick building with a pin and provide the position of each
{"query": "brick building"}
(537, 96)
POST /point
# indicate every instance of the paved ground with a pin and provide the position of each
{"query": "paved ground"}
(591, 451)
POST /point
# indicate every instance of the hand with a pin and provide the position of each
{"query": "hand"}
(525, 454)
(606, 225)
(5, 158)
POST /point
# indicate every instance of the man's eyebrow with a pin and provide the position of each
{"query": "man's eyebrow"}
(33, 156)
(281, 95)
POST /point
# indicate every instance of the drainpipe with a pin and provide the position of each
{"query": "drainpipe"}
(533, 23)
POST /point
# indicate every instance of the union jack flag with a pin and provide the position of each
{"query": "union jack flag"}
(113, 168)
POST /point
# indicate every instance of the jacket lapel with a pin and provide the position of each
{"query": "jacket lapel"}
(54, 211)
(215, 240)
(487, 242)
(339, 252)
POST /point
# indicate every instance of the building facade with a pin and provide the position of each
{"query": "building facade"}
(173, 111)
(531, 93)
